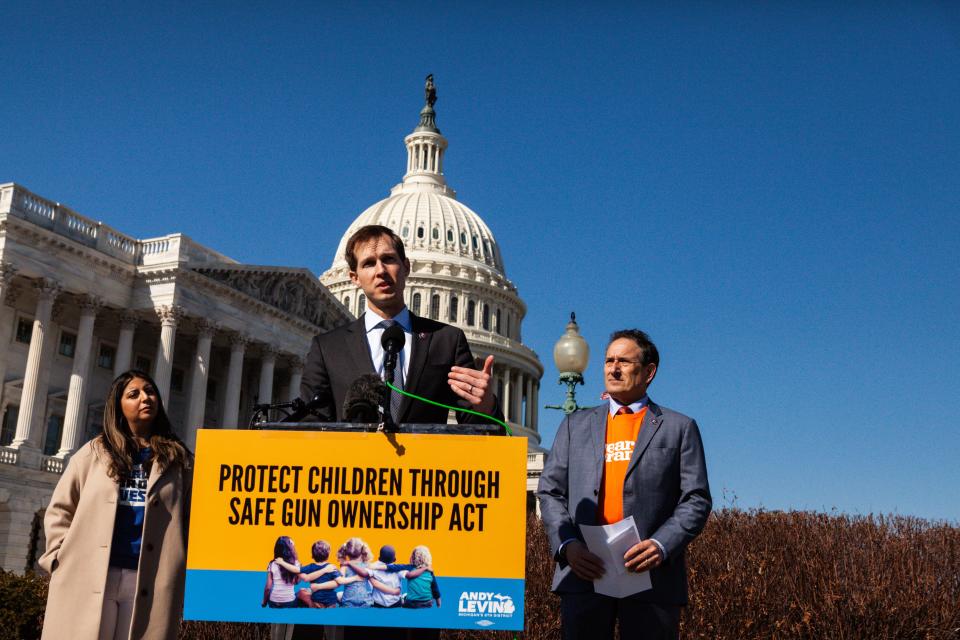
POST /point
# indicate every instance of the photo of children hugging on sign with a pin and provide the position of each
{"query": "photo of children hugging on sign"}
(353, 556)
(282, 574)
(422, 588)
(385, 577)
(323, 577)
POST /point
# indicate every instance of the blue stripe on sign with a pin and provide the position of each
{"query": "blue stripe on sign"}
(467, 603)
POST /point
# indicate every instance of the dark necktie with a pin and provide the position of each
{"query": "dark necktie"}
(395, 398)
(622, 411)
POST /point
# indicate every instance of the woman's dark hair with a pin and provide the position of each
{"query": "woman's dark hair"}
(117, 441)
(283, 548)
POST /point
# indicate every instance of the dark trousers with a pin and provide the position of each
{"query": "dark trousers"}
(589, 616)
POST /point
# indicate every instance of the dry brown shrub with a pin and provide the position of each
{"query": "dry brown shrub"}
(541, 607)
(768, 574)
(760, 574)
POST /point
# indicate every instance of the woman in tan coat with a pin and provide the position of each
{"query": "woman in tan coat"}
(116, 526)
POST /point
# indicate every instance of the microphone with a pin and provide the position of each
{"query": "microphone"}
(362, 402)
(392, 342)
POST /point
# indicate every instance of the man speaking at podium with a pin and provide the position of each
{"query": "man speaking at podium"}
(435, 361)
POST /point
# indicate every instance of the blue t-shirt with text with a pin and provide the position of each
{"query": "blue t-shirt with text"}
(128, 525)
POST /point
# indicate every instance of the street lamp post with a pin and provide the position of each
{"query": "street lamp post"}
(571, 354)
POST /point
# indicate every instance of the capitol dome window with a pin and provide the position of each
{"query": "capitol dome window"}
(463, 238)
(453, 308)
(435, 306)
(476, 244)
(435, 233)
(420, 232)
(449, 235)
(471, 313)
(416, 304)
(499, 326)
(406, 231)
(346, 302)
(361, 303)
(486, 317)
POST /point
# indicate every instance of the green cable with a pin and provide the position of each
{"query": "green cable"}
(445, 406)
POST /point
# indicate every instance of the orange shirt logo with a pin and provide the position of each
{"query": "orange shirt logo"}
(622, 432)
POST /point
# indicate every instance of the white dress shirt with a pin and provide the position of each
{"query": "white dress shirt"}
(375, 330)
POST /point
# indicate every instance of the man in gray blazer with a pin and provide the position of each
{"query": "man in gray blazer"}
(629, 456)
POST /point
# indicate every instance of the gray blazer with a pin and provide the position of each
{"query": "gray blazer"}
(665, 490)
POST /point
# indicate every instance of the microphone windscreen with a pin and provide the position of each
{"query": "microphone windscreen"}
(362, 401)
(393, 339)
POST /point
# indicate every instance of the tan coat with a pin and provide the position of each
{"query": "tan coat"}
(79, 530)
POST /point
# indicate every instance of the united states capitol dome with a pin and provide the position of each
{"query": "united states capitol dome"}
(456, 270)
(430, 222)
(424, 210)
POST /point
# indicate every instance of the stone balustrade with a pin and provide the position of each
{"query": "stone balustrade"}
(60, 219)
(53, 216)
(8, 455)
(52, 464)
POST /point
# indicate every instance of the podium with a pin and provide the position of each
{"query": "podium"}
(462, 499)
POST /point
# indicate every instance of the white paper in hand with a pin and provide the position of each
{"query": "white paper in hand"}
(610, 542)
(619, 543)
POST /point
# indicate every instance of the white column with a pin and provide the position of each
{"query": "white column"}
(170, 316)
(507, 394)
(535, 425)
(74, 414)
(124, 359)
(528, 414)
(231, 401)
(8, 295)
(199, 373)
(33, 397)
(267, 362)
(296, 375)
(516, 397)
(495, 380)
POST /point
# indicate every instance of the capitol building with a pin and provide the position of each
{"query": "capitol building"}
(456, 273)
(80, 302)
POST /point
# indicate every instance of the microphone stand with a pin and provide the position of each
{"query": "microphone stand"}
(293, 411)
(389, 364)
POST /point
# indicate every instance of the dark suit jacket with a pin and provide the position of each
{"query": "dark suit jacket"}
(665, 490)
(339, 357)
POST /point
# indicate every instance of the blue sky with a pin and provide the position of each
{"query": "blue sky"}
(771, 192)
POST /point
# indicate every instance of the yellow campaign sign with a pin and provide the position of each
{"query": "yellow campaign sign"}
(462, 497)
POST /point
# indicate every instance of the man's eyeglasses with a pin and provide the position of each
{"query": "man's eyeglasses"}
(621, 362)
